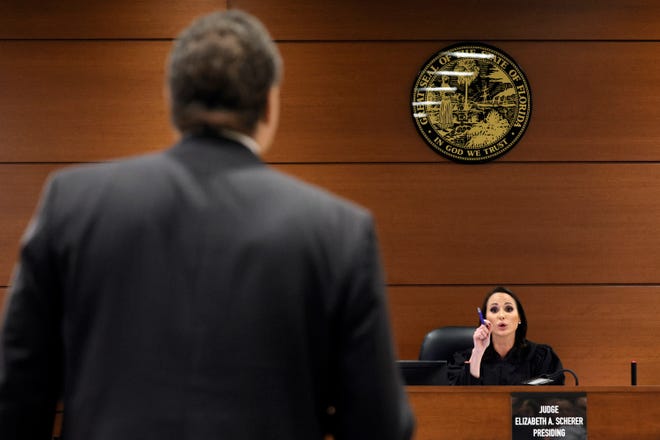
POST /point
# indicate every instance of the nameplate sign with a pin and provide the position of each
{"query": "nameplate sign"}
(548, 416)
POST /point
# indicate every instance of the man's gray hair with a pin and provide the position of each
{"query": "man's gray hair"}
(220, 72)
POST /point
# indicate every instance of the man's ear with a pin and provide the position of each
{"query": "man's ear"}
(268, 124)
(273, 105)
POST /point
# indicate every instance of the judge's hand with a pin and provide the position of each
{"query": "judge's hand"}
(481, 337)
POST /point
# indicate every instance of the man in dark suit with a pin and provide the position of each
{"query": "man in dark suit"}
(196, 293)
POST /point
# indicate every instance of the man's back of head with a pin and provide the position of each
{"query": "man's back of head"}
(220, 73)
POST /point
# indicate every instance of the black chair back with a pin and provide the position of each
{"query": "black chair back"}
(441, 343)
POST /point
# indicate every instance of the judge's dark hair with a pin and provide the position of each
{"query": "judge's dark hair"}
(220, 72)
(521, 331)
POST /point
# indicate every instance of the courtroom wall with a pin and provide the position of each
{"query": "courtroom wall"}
(569, 219)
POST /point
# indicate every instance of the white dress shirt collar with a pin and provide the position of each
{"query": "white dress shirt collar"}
(242, 139)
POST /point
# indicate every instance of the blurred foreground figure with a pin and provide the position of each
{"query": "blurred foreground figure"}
(196, 293)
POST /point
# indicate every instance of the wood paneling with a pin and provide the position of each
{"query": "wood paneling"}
(468, 413)
(466, 19)
(351, 102)
(81, 101)
(596, 330)
(94, 100)
(51, 19)
(508, 223)
(448, 224)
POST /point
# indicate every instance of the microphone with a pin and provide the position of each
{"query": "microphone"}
(546, 379)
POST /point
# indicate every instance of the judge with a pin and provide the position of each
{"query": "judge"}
(502, 354)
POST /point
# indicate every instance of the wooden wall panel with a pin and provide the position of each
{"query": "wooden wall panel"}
(596, 330)
(508, 223)
(499, 223)
(466, 19)
(81, 101)
(95, 100)
(57, 19)
(351, 102)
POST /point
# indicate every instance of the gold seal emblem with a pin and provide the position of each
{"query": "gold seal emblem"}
(471, 102)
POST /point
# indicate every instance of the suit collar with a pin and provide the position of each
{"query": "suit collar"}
(213, 152)
(242, 139)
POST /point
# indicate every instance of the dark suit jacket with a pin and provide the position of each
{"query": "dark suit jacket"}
(198, 294)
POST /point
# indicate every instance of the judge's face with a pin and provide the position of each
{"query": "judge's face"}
(502, 312)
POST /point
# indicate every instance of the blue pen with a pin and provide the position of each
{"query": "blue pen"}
(481, 316)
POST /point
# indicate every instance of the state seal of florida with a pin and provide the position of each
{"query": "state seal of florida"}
(471, 103)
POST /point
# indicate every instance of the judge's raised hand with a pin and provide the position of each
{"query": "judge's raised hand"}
(481, 337)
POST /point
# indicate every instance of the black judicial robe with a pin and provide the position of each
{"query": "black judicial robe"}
(521, 363)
